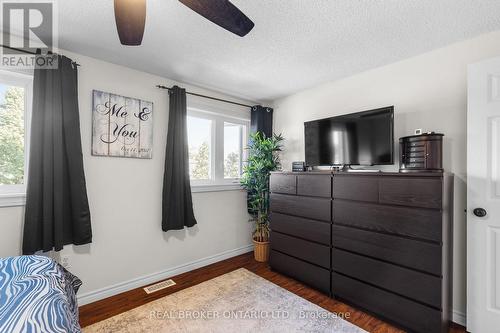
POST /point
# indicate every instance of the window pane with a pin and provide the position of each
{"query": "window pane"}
(11, 135)
(199, 139)
(232, 150)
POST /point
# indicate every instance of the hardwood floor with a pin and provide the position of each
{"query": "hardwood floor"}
(100, 310)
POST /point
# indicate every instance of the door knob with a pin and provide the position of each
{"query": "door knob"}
(480, 212)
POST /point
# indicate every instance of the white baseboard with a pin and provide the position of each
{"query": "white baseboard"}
(121, 287)
(458, 317)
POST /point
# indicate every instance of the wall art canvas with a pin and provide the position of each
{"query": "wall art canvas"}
(121, 126)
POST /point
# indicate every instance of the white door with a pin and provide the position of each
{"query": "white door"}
(483, 197)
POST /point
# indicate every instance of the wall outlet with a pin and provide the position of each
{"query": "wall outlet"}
(64, 261)
(418, 131)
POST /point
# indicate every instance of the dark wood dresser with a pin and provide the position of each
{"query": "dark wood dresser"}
(379, 241)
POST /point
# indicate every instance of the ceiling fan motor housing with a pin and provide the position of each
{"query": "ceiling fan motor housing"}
(130, 17)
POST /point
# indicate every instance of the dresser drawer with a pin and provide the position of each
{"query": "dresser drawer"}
(283, 183)
(416, 149)
(355, 187)
(416, 160)
(411, 191)
(313, 208)
(315, 185)
(317, 231)
(311, 275)
(416, 155)
(415, 165)
(405, 221)
(312, 252)
(415, 144)
(411, 253)
(409, 314)
(421, 287)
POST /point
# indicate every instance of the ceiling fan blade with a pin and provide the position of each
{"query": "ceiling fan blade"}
(223, 13)
(130, 17)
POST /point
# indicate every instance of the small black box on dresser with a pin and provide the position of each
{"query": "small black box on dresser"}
(298, 166)
(421, 153)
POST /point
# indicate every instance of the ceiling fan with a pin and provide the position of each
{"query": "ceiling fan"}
(130, 17)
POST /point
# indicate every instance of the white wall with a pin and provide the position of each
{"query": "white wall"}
(125, 200)
(428, 92)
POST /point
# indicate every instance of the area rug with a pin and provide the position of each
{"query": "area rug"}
(239, 301)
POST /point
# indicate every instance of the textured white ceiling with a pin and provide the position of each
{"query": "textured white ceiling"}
(295, 44)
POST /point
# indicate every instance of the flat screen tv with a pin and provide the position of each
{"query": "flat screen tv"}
(362, 138)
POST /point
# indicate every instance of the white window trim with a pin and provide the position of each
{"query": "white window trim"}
(218, 182)
(15, 195)
(215, 188)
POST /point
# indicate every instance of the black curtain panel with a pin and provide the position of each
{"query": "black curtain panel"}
(261, 120)
(177, 202)
(57, 210)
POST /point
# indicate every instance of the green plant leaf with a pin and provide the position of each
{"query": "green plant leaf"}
(263, 157)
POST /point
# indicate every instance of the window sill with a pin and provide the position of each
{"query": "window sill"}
(12, 199)
(215, 188)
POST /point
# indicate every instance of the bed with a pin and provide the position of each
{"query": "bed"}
(37, 295)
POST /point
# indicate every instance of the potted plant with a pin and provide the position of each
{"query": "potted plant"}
(262, 159)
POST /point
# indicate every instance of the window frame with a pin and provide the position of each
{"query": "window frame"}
(244, 141)
(217, 182)
(15, 195)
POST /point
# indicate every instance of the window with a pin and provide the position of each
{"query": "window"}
(233, 150)
(15, 106)
(200, 144)
(216, 150)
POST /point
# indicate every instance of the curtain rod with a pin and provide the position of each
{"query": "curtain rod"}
(27, 52)
(205, 96)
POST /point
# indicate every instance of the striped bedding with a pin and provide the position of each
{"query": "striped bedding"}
(37, 295)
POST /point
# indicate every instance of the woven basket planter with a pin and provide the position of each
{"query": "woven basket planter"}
(261, 251)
